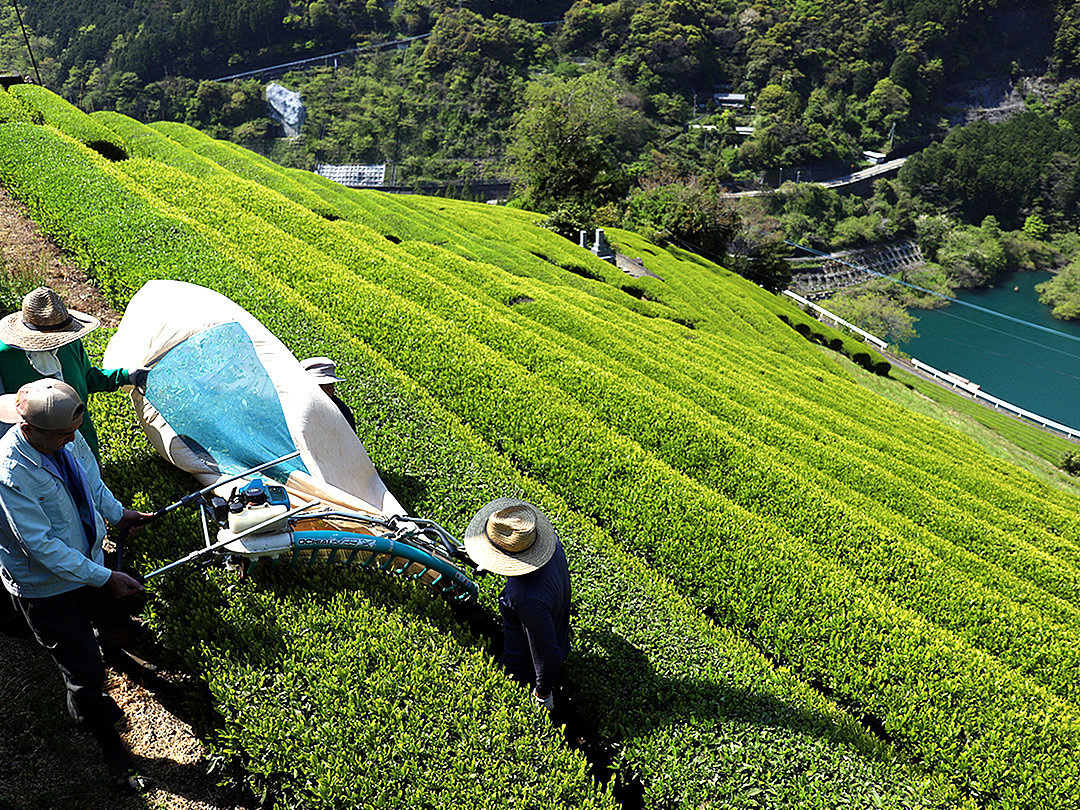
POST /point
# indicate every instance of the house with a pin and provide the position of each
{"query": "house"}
(730, 99)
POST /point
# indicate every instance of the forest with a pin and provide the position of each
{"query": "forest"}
(606, 114)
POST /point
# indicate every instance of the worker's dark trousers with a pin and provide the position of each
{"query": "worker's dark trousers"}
(11, 619)
(516, 657)
(64, 625)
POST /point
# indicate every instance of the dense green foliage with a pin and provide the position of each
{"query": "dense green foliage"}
(591, 106)
(691, 214)
(766, 554)
(573, 140)
(1026, 164)
(829, 80)
(1062, 292)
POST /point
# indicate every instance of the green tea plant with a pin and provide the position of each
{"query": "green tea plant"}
(12, 109)
(767, 554)
(68, 118)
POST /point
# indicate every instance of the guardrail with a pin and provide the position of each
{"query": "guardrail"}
(973, 389)
(837, 320)
(299, 64)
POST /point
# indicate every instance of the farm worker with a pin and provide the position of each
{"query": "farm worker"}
(514, 538)
(51, 559)
(323, 371)
(45, 340)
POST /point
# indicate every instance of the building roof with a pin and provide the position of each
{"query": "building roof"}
(356, 175)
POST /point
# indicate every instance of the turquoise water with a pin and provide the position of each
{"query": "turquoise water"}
(1027, 366)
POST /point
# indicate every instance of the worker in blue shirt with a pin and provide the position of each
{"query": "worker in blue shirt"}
(515, 539)
(53, 505)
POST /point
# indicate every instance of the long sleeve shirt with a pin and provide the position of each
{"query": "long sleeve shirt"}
(536, 622)
(78, 371)
(45, 549)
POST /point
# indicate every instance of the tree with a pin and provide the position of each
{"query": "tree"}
(1035, 226)
(690, 213)
(759, 252)
(573, 139)
(1062, 292)
(973, 256)
(888, 104)
(877, 314)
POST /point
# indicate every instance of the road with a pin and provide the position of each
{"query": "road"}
(869, 173)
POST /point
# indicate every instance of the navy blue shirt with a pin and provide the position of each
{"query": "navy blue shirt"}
(67, 468)
(345, 411)
(536, 622)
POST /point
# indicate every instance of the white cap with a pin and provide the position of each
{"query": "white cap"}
(46, 404)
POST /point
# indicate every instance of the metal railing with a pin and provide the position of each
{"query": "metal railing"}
(973, 390)
(953, 380)
(836, 319)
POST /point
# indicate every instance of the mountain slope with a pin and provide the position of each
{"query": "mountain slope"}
(790, 589)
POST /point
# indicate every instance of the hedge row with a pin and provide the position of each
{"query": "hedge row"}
(296, 317)
(412, 348)
(11, 109)
(66, 117)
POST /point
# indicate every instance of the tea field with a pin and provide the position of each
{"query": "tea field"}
(791, 589)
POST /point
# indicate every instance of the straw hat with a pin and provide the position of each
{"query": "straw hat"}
(510, 537)
(323, 370)
(47, 404)
(45, 323)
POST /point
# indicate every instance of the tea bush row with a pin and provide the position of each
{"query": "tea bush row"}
(223, 638)
(285, 312)
(66, 117)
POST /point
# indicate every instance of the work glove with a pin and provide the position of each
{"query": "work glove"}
(138, 376)
(547, 702)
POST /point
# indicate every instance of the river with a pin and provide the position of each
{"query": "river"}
(1029, 367)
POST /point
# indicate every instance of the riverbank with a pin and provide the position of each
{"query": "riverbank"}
(1005, 341)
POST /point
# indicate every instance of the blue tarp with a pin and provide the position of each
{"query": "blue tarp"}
(215, 394)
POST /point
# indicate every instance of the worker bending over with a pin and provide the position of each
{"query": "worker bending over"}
(516, 539)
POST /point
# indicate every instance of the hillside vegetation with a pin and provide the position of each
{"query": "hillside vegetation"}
(829, 79)
(790, 591)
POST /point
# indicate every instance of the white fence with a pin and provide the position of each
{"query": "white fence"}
(825, 315)
(973, 389)
(951, 379)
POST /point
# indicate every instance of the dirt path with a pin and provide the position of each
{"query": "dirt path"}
(46, 762)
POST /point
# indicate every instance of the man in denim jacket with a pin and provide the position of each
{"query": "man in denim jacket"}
(51, 559)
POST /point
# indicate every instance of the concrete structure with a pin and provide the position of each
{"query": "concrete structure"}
(599, 246)
(821, 276)
(356, 175)
(730, 99)
(286, 108)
